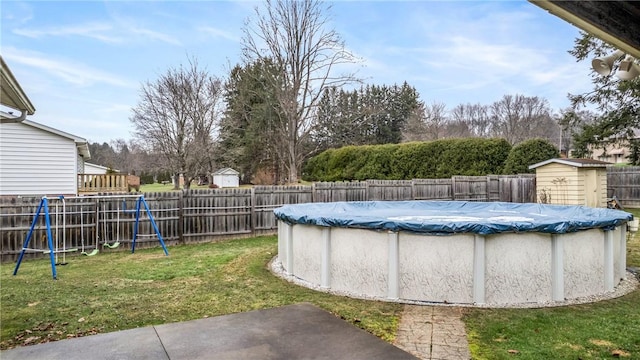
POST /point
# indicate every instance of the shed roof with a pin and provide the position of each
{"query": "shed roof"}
(226, 171)
(582, 163)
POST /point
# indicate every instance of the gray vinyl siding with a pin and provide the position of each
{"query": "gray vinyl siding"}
(36, 162)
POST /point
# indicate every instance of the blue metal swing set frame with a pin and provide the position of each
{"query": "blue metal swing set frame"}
(43, 208)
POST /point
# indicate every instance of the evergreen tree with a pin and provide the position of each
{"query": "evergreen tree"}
(617, 100)
(248, 137)
(370, 115)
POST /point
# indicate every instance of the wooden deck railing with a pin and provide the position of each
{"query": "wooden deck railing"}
(92, 183)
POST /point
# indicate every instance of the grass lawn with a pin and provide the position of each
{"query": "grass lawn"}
(120, 290)
(604, 330)
(158, 187)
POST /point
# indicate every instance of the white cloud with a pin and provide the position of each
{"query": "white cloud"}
(154, 35)
(487, 58)
(69, 71)
(218, 33)
(21, 14)
(91, 30)
(102, 31)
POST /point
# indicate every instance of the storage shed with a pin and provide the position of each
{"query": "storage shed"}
(226, 177)
(572, 182)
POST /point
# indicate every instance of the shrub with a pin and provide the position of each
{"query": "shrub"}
(472, 157)
(316, 167)
(429, 160)
(528, 153)
(377, 164)
(146, 178)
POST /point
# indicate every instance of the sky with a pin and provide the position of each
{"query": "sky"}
(82, 63)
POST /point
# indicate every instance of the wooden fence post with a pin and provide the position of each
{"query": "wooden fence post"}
(253, 219)
(413, 189)
(487, 196)
(453, 188)
(181, 218)
(366, 190)
(98, 223)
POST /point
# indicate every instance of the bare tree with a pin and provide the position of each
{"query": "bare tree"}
(176, 116)
(293, 35)
(474, 118)
(426, 122)
(435, 119)
(517, 118)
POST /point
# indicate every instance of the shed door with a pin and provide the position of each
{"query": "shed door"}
(591, 188)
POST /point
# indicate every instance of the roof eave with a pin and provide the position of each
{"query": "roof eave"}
(569, 163)
(12, 94)
(599, 26)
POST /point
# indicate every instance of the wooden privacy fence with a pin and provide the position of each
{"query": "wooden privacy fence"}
(624, 183)
(89, 222)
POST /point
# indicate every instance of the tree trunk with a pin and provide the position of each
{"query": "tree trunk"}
(293, 164)
(176, 181)
(293, 173)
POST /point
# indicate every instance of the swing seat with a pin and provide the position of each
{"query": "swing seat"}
(92, 253)
(112, 246)
(28, 250)
(60, 251)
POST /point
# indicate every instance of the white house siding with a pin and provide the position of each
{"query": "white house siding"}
(36, 162)
(94, 169)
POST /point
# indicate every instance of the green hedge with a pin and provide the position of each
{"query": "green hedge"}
(527, 153)
(424, 160)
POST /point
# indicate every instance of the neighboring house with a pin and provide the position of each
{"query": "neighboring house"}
(572, 182)
(226, 177)
(612, 154)
(38, 160)
(94, 169)
(617, 153)
(35, 159)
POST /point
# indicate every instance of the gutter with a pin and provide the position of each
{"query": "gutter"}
(23, 115)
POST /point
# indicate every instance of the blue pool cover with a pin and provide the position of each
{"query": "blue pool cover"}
(452, 217)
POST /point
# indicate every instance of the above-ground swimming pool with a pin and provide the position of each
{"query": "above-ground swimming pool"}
(454, 252)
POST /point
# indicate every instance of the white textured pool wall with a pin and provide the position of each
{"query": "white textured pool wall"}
(497, 269)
